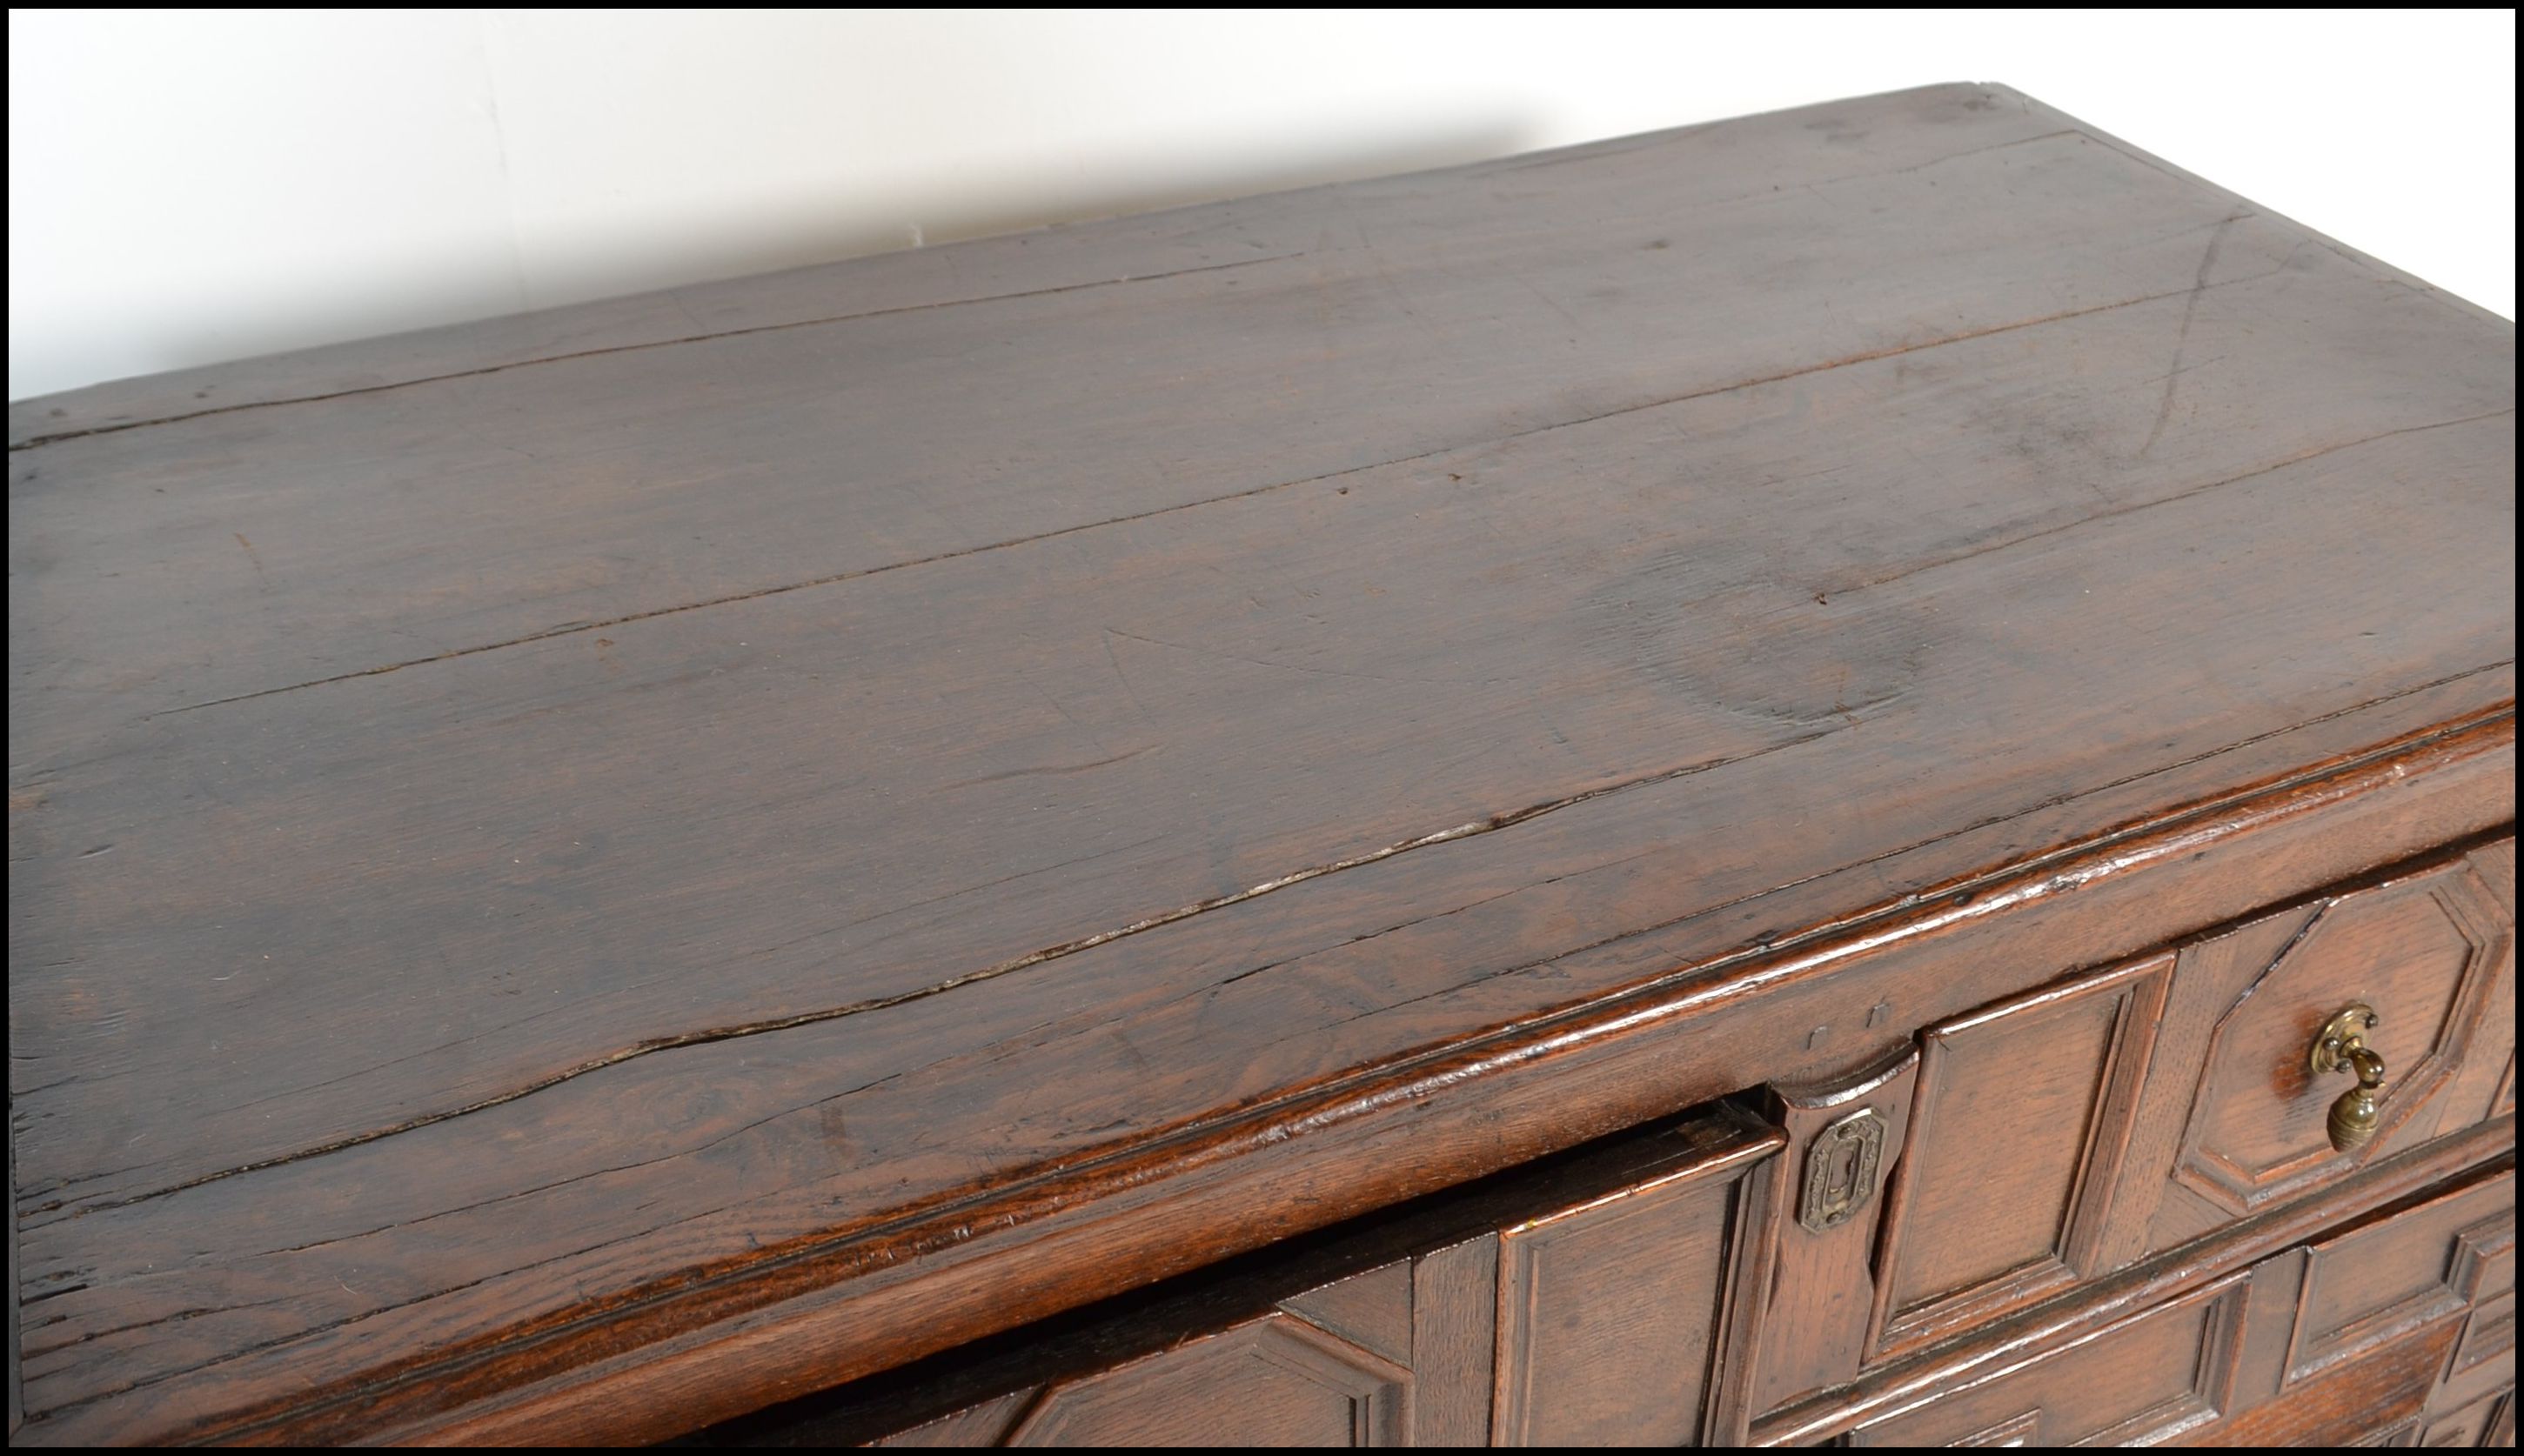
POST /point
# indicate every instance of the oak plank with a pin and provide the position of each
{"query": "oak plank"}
(1901, 128)
(512, 828)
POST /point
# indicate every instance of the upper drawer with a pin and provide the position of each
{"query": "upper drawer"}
(2061, 1134)
(2019, 1128)
(2430, 956)
(1603, 1296)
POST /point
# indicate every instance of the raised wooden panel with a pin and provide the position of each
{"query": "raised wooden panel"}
(1618, 1318)
(2423, 952)
(1276, 1381)
(2144, 1379)
(1400, 1354)
(2151, 1211)
(2484, 1271)
(1629, 1271)
(2016, 1130)
(2380, 1279)
(2484, 1084)
(2380, 1394)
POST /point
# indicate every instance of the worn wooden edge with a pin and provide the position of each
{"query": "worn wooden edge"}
(683, 1353)
(2479, 1154)
(1719, 1143)
(1746, 1140)
(2388, 1389)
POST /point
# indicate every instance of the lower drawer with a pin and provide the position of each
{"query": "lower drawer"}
(2395, 1328)
(2140, 1381)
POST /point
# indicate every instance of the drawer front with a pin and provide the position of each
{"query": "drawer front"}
(2142, 1379)
(2033, 1145)
(1665, 1286)
(1611, 1305)
(2367, 1286)
(2017, 1128)
(1992, 1174)
(2393, 1330)
(1281, 1380)
(2432, 953)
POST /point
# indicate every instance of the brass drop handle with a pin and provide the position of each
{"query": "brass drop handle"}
(2341, 1047)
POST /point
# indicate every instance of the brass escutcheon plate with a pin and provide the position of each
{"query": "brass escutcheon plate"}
(1841, 1170)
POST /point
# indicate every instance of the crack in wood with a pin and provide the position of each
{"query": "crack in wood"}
(1559, 157)
(1505, 819)
(38, 441)
(2183, 336)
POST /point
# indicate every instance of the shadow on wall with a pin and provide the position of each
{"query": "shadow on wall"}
(645, 255)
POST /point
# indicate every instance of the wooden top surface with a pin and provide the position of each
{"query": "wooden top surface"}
(512, 824)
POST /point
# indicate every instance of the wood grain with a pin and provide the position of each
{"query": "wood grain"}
(1821, 1302)
(1277, 1382)
(2370, 1284)
(2264, 1249)
(1615, 1320)
(1454, 1343)
(2139, 1381)
(2468, 1425)
(2435, 946)
(550, 850)
(2207, 1343)
(1406, 1351)
(1868, 134)
(2427, 949)
(2376, 1394)
(2016, 1130)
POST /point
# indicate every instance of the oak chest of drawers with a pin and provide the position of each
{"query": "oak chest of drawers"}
(1841, 777)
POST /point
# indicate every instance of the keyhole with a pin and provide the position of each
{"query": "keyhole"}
(1844, 1170)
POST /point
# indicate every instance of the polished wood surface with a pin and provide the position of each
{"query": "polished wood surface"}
(2369, 1329)
(576, 877)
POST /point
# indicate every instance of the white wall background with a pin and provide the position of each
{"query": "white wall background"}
(192, 186)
